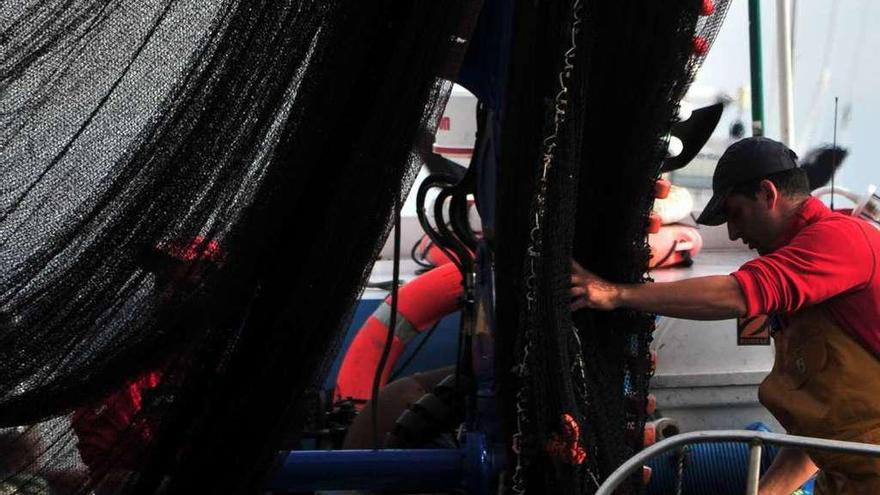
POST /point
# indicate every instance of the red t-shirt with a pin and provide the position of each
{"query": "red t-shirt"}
(106, 436)
(110, 433)
(828, 257)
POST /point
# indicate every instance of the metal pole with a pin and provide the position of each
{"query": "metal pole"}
(786, 90)
(754, 474)
(756, 69)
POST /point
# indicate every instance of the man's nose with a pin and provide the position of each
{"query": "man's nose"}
(732, 231)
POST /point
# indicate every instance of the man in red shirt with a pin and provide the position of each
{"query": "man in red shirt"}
(818, 276)
(113, 433)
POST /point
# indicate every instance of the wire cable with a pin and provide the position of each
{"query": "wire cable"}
(392, 324)
(419, 257)
(400, 369)
(823, 82)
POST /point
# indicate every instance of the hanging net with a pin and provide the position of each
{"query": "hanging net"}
(592, 93)
(193, 193)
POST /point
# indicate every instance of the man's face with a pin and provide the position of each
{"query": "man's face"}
(751, 220)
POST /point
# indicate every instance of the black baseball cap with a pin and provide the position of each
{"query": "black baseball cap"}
(747, 159)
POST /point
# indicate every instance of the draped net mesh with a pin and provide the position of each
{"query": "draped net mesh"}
(632, 63)
(192, 195)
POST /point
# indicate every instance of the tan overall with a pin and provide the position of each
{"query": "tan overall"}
(826, 384)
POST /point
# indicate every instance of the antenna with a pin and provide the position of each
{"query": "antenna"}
(834, 154)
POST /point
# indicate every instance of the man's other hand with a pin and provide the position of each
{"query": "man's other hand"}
(716, 297)
(590, 291)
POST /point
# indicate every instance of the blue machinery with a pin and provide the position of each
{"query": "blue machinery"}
(473, 468)
(470, 469)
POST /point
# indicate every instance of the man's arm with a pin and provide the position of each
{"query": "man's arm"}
(791, 468)
(701, 298)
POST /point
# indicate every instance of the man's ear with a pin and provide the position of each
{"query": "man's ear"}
(768, 194)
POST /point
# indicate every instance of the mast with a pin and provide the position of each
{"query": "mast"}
(756, 69)
(786, 90)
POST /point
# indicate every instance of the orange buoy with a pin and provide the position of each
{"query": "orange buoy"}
(650, 437)
(673, 245)
(421, 303)
(654, 223)
(651, 404)
(661, 188)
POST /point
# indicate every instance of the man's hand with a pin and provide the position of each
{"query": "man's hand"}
(791, 468)
(590, 291)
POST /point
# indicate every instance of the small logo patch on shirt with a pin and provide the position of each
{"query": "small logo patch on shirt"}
(754, 330)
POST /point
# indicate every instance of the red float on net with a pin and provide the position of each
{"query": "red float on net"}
(701, 46)
(708, 8)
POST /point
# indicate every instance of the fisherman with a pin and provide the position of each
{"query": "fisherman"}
(114, 433)
(818, 280)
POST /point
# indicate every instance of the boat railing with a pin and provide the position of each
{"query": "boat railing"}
(756, 441)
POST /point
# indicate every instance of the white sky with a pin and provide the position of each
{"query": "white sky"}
(837, 32)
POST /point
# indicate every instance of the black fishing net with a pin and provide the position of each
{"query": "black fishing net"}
(592, 92)
(192, 194)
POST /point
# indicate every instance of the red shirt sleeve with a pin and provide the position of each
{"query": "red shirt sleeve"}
(822, 261)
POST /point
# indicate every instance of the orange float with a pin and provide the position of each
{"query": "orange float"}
(421, 303)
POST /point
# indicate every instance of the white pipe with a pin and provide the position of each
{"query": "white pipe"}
(786, 90)
(754, 474)
(840, 191)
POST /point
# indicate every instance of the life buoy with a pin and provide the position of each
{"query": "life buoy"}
(421, 303)
(675, 206)
(674, 245)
